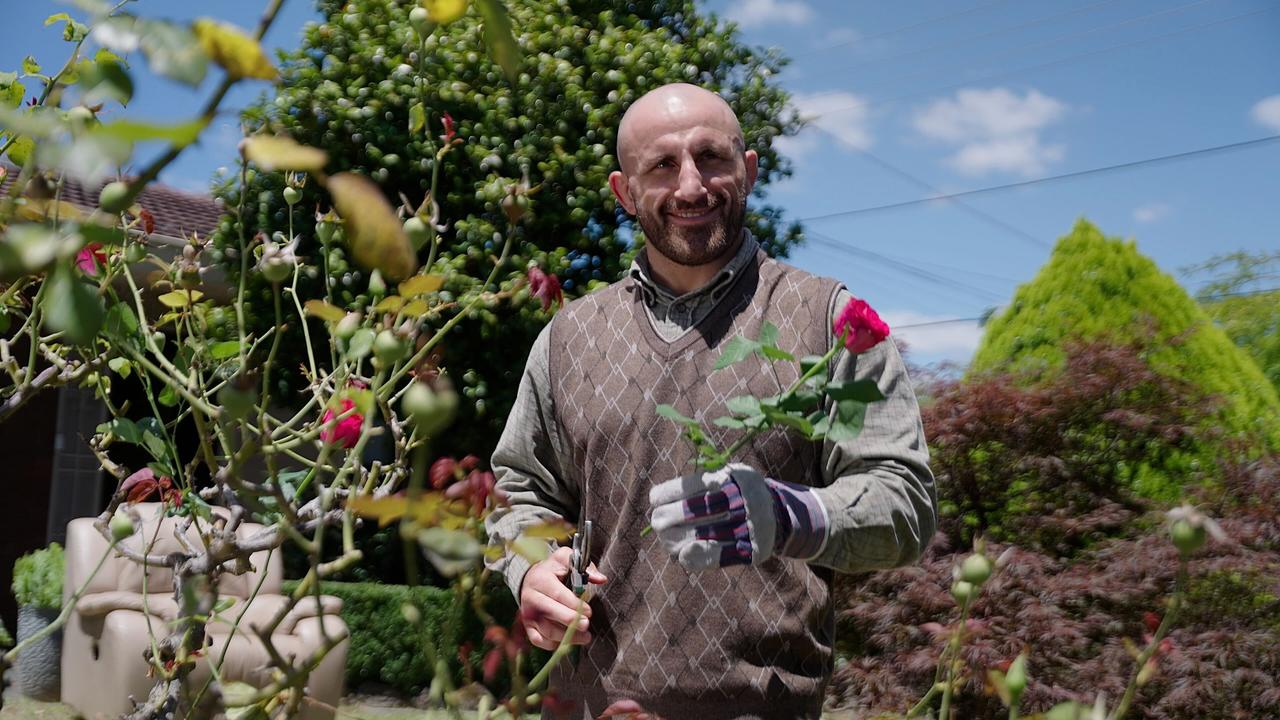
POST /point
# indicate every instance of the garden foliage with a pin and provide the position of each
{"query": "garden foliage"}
(1243, 298)
(37, 577)
(1080, 620)
(1095, 287)
(364, 84)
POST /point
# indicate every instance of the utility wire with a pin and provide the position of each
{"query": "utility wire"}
(907, 268)
(1245, 144)
(902, 29)
(1207, 298)
(1039, 66)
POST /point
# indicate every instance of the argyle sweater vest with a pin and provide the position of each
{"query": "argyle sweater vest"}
(738, 642)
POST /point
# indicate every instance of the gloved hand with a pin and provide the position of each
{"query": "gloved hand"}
(736, 516)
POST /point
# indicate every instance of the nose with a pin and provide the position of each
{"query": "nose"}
(690, 189)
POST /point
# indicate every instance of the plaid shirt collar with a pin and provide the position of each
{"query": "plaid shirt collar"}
(657, 294)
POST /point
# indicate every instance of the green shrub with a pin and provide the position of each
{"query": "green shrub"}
(37, 577)
(385, 648)
(1095, 287)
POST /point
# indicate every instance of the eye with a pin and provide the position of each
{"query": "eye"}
(664, 164)
(711, 154)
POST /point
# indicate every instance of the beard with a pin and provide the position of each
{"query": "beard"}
(702, 244)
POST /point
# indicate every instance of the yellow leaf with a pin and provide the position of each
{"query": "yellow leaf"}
(239, 54)
(323, 310)
(443, 12)
(531, 549)
(180, 298)
(389, 304)
(40, 209)
(280, 152)
(421, 285)
(415, 309)
(385, 510)
(551, 530)
(377, 237)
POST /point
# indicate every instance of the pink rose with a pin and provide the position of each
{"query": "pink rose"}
(344, 432)
(91, 259)
(859, 327)
(545, 287)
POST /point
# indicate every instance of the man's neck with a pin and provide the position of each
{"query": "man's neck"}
(682, 279)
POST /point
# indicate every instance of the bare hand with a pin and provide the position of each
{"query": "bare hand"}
(549, 606)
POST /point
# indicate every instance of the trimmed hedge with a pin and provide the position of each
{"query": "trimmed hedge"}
(386, 649)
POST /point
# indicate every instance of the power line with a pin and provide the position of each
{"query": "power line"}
(980, 214)
(1053, 178)
(907, 268)
(1207, 298)
(1039, 66)
(902, 29)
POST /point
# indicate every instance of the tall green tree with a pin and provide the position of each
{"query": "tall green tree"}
(365, 86)
(1096, 287)
(1243, 298)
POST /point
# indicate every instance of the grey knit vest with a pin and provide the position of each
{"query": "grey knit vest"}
(731, 643)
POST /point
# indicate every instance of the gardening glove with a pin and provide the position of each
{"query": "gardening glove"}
(736, 516)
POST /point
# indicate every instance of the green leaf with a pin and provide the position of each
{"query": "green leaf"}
(729, 422)
(803, 399)
(736, 350)
(1069, 710)
(534, 550)
(774, 353)
(782, 417)
(124, 429)
(453, 552)
(360, 343)
(225, 349)
(30, 66)
(669, 412)
(168, 397)
(105, 78)
(862, 390)
(421, 285)
(377, 237)
(179, 134)
(417, 119)
(173, 51)
(499, 38)
(153, 437)
(848, 421)
(808, 362)
(768, 334)
(280, 152)
(743, 405)
(121, 366)
(105, 235)
(121, 322)
(21, 150)
(73, 307)
(235, 50)
(12, 91)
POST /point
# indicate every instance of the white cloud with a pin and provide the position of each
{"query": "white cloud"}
(1267, 113)
(995, 130)
(1151, 212)
(840, 116)
(950, 340)
(753, 13)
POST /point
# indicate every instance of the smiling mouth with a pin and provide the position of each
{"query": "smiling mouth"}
(693, 216)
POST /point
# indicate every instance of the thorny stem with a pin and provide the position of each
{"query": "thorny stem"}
(953, 659)
(1175, 605)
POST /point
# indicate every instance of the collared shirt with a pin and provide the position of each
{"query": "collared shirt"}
(673, 314)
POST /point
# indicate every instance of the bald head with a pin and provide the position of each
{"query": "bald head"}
(673, 108)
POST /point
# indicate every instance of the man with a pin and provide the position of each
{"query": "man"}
(725, 611)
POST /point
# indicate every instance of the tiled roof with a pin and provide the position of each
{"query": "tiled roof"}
(178, 213)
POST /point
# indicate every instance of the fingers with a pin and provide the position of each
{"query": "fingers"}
(594, 576)
(552, 639)
(686, 486)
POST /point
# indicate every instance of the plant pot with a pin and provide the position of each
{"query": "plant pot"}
(40, 664)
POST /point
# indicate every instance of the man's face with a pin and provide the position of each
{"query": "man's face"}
(686, 179)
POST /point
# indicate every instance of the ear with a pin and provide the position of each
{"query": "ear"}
(752, 160)
(622, 191)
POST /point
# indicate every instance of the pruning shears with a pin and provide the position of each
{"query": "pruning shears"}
(580, 559)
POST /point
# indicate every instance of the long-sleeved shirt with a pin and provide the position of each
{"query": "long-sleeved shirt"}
(879, 493)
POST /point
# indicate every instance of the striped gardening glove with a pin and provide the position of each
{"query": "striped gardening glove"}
(736, 516)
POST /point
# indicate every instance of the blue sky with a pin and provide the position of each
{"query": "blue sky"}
(911, 99)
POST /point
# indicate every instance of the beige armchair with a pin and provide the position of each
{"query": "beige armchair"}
(114, 621)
